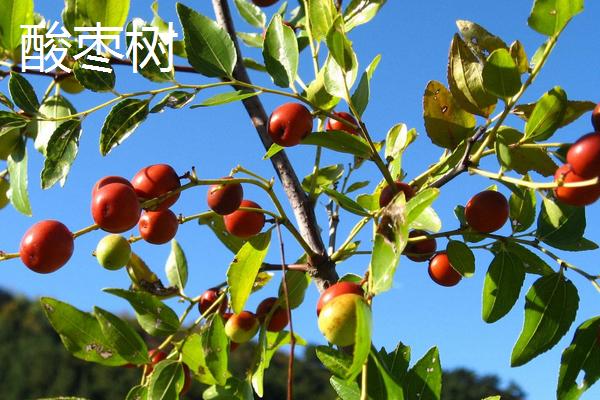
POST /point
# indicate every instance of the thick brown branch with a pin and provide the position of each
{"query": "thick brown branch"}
(322, 269)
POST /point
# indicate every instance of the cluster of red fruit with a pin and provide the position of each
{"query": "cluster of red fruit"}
(583, 163)
(292, 122)
(242, 327)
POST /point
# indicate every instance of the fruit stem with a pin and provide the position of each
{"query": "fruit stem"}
(314, 52)
(532, 185)
(85, 230)
(364, 395)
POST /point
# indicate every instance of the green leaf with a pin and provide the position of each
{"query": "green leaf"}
(560, 225)
(357, 186)
(193, 356)
(549, 17)
(177, 266)
(517, 51)
(209, 48)
(297, 283)
(550, 308)
(120, 123)
(336, 361)
(502, 286)
(501, 76)
(61, 151)
(224, 98)
(5, 100)
(274, 149)
(573, 110)
(397, 141)
(14, 14)
(11, 120)
(166, 380)
(215, 346)
(80, 332)
(325, 177)
(466, 81)
(582, 355)
(533, 263)
(362, 341)
(122, 337)
(23, 94)
(522, 207)
(345, 202)
(176, 100)
(154, 316)
(251, 39)
(461, 257)
(321, 14)
(216, 224)
(397, 361)
(17, 169)
(360, 97)
(447, 124)
(318, 95)
(424, 380)
(418, 204)
(340, 47)
(521, 159)
(547, 115)
(428, 220)
(137, 393)
(341, 142)
(251, 63)
(52, 108)
(346, 390)
(360, 12)
(234, 389)
(337, 81)
(280, 52)
(150, 66)
(481, 41)
(93, 79)
(381, 379)
(244, 268)
(251, 13)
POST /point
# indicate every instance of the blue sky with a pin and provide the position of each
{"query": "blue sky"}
(413, 39)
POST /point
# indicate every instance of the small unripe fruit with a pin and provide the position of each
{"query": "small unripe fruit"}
(4, 186)
(264, 3)
(442, 272)
(46, 246)
(225, 198)
(387, 193)
(279, 318)
(487, 211)
(208, 298)
(289, 124)
(575, 196)
(158, 227)
(338, 289)
(113, 252)
(337, 320)
(115, 208)
(584, 156)
(156, 180)
(109, 179)
(423, 249)
(71, 85)
(596, 118)
(245, 224)
(242, 327)
(335, 125)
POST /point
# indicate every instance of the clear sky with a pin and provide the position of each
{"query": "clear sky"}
(413, 39)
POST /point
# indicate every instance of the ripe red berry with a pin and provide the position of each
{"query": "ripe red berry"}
(115, 208)
(156, 356)
(46, 246)
(279, 318)
(487, 211)
(156, 180)
(110, 179)
(245, 224)
(442, 272)
(264, 3)
(208, 298)
(158, 227)
(575, 196)
(187, 383)
(289, 124)
(423, 249)
(338, 289)
(584, 156)
(225, 198)
(335, 125)
(387, 194)
(596, 118)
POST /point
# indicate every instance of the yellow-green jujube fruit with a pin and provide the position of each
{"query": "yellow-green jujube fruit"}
(4, 186)
(242, 327)
(71, 85)
(113, 252)
(9, 137)
(337, 320)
